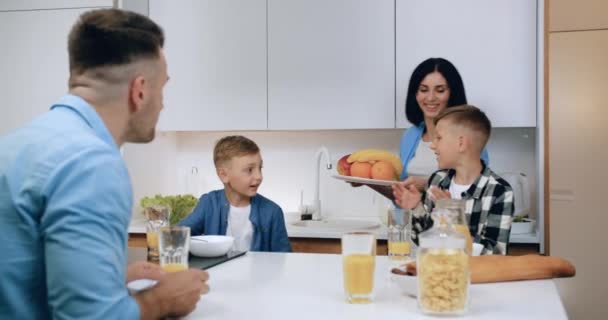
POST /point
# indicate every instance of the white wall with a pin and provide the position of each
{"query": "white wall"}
(166, 165)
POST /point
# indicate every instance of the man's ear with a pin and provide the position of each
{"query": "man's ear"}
(137, 91)
(222, 173)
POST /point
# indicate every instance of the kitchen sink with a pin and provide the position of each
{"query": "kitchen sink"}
(337, 224)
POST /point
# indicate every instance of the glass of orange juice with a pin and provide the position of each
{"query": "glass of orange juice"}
(399, 247)
(173, 247)
(156, 218)
(359, 261)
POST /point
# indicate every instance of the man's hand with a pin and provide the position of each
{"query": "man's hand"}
(144, 270)
(406, 196)
(175, 295)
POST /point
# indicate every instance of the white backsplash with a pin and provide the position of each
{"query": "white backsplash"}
(182, 162)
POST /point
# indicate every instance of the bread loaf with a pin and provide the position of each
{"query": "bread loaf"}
(495, 268)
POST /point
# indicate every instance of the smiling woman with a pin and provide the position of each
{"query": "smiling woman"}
(435, 85)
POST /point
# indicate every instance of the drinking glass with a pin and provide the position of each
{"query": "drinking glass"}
(398, 237)
(174, 245)
(156, 218)
(358, 261)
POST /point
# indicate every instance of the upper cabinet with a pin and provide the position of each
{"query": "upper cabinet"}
(34, 63)
(331, 64)
(11, 5)
(491, 43)
(216, 53)
(568, 15)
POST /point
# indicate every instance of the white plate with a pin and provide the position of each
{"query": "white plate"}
(365, 180)
(136, 286)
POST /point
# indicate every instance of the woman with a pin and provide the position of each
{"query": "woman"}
(435, 84)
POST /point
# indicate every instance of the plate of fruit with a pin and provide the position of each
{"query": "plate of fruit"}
(370, 166)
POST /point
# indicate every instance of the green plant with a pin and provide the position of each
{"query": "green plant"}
(520, 219)
(180, 205)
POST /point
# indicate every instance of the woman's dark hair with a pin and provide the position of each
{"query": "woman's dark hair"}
(448, 71)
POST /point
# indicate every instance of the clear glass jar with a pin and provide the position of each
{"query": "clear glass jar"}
(443, 268)
(455, 209)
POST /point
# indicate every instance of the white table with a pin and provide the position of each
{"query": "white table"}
(309, 286)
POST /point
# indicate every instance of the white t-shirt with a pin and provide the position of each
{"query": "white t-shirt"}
(240, 227)
(424, 162)
(456, 189)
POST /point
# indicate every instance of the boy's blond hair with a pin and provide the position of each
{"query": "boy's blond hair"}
(233, 146)
(469, 117)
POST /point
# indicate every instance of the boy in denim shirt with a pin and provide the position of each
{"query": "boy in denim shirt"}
(255, 222)
(462, 132)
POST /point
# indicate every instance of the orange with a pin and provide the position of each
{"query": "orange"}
(383, 170)
(361, 170)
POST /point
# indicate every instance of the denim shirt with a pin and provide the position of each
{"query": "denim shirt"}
(210, 217)
(65, 206)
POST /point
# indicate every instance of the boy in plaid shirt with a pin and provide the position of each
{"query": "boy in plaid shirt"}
(462, 132)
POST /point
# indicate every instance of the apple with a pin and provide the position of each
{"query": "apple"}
(343, 166)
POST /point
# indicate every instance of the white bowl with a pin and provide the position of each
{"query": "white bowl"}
(210, 246)
(408, 285)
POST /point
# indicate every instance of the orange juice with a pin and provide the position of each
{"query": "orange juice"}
(152, 242)
(358, 274)
(464, 230)
(152, 239)
(174, 267)
(399, 250)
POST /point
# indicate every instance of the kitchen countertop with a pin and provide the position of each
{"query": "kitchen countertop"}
(309, 286)
(139, 226)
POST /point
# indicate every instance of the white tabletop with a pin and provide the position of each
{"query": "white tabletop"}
(309, 286)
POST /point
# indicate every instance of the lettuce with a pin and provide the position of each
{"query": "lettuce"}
(180, 205)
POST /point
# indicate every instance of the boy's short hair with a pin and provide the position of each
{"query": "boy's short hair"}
(233, 146)
(469, 117)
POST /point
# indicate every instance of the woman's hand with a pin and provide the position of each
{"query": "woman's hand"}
(144, 270)
(406, 196)
(418, 181)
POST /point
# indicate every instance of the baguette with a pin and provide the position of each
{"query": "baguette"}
(495, 268)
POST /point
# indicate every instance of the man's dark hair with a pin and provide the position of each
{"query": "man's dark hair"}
(110, 37)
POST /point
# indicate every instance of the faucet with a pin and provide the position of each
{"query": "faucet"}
(316, 214)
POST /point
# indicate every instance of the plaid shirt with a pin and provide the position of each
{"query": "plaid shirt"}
(488, 209)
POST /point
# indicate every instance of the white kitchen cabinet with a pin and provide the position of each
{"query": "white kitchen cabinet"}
(11, 5)
(491, 43)
(216, 55)
(331, 64)
(34, 62)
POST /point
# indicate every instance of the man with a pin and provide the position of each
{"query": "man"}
(65, 193)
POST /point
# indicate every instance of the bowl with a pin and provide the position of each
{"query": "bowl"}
(210, 246)
(408, 285)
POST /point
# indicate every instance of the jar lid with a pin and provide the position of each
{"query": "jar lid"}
(442, 243)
